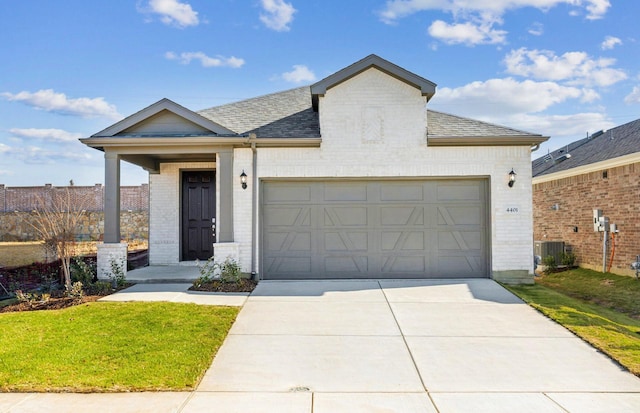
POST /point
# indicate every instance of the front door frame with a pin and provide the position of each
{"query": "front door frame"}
(183, 211)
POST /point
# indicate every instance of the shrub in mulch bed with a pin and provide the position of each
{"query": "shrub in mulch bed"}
(242, 286)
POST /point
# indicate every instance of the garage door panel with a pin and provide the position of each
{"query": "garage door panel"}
(459, 241)
(346, 241)
(460, 215)
(459, 192)
(404, 264)
(459, 266)
(288, 216)
(288, 265)
(345, 216)
(289, 192)
(348, 191)
(401, 192)
(374, 229)
(353, 265)
(288, 241)
(401, 215)
(402, 241)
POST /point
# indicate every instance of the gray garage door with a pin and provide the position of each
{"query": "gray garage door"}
(374, 229)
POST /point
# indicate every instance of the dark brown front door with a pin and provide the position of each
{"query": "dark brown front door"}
(198, 214)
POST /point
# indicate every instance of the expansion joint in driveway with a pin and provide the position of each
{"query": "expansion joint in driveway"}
(404, 340)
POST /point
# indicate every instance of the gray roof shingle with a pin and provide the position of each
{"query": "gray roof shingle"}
(285, 114)
(601, 146)
(289, 114)
(444, 124)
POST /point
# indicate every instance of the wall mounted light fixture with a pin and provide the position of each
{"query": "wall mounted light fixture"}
(512, 178)
(243, 179)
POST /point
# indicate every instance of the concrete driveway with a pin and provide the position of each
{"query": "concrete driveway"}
(377, 346)
(405, 346)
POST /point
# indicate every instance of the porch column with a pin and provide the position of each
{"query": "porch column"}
(111, 198)
(225, 174)
(112, 254)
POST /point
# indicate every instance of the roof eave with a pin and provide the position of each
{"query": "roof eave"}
(532, 140)
(155, 142)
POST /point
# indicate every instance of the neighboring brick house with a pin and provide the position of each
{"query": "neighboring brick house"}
(602, 172)
(351, 177)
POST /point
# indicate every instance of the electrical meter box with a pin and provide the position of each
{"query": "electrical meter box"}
(597, 214)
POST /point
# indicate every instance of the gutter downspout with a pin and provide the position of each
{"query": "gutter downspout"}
(254, 206)
(535, 147)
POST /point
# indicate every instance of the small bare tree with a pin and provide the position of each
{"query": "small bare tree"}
(56, 221)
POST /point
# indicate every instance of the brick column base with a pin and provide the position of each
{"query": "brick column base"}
(108, 253)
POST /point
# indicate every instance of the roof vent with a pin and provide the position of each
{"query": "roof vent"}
(563, 157)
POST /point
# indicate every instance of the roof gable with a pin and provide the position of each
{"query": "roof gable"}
(164, 118)
(427, 88)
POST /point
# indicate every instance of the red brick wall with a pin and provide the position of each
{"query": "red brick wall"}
(132, 198)
(617, 195)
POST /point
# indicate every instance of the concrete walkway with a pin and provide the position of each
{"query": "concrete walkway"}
(384, 346)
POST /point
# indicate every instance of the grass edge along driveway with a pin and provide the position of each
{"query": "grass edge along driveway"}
(611, 332)
(111, 347)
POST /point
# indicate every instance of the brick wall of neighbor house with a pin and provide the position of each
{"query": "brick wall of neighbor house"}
(374, 126)
(134, 201)
(617, 195)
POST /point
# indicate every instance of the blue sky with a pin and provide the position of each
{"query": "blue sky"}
(556, 67)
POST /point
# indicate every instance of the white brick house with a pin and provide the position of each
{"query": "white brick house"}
(352, 177)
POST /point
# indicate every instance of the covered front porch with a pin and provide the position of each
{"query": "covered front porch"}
(174, 145)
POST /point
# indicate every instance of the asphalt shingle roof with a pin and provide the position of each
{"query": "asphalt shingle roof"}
(601, 146)
(290, 114)
(444, 124)
(285, 114)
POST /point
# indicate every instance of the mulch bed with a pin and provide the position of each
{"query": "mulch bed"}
(58, 301)
(52, 304)
(243, 286)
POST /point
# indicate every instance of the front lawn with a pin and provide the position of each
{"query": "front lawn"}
(595, 306)
(108, 347)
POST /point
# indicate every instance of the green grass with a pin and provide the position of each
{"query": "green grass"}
(108, 347)
(601, 318)
(608, 290)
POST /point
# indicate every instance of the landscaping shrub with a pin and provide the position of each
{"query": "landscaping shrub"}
(550, 262)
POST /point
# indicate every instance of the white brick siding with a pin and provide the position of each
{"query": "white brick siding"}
(373, 125)
(164, 211)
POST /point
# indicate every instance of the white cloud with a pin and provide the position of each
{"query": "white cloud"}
(4, 148)
(597, 8)
(51, 135)
(557, 126)
(473, 18)
(573, 67)
(206, 61)
(503, 97)
(51, 101)
(174, 13)
(299, 74)
(536, 29)
(522, 105)
(634, 96)
(466, 33)
(277, 15)
(5, 173)
(397, 9)
(610, 42)
(36, 155)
